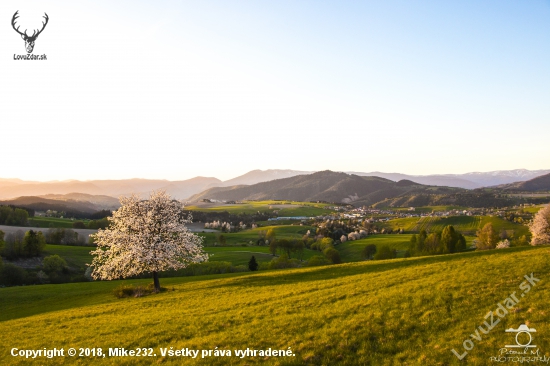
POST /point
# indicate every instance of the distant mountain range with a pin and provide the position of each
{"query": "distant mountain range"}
(393, 189)
(12, 188)
(113, 188)
(466, 180)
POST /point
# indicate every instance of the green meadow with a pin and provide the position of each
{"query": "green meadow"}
(246, 236)
(465, 224)
(54, 222)
(283, 208)
(410, 311)
(350, 251)
(77, 257)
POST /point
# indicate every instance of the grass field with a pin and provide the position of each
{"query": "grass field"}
(245, 236)
(428, 209)
(533, 209)
(48, 222)
(77, 257)
(283, 208)
(350, 251)
(405, 311)
(464, 224)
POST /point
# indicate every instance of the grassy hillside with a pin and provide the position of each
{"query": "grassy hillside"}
(245, 236)
(405, 311)
(283, 208)
(77, 257)
(350, 251)
(465, 224)
(47, 222)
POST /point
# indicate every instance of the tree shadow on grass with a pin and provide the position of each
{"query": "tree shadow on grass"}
(301, 275)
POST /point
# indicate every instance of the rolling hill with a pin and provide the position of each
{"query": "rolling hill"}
(114, 188)
(74, 207)
(323, 186)
(538, 184)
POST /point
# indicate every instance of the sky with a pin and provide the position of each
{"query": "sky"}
(178, 89)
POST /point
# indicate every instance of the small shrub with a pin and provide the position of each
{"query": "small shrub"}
(150, 288)
(140, 291)
(42, 277)
(284, 262)
(123, 291)
(240, 268)
(317, 260)
(333, 255)
(12, 275)
(88, 274)
(369, 251)
(384, 252)
(54, 264)
(79, 225)
(503, 244)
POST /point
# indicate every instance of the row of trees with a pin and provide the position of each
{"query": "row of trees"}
(64, 237)
(53, 270)
(447, 241)
(13, 216)
(92, 224)
(19, 244)
(288, 247)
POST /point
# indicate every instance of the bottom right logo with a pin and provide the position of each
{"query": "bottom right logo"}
(523, 350)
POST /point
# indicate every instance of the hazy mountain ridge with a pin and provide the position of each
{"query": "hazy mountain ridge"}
(112, 188)
(470, 180)
(538, 184)
(44, 204)
(322, 186)
(259, 176)
(12, 188)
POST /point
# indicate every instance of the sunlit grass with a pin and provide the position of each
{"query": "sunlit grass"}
(375, 313)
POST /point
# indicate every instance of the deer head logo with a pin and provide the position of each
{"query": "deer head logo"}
(29, 40)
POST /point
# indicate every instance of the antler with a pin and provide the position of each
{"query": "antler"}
(43, 26)
(34, 34)
(15, 16)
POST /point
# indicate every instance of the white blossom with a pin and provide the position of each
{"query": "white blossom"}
(540, 227)
(145, 236)
(503, 244)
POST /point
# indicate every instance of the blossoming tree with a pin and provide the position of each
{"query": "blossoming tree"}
(540, 227)
(145, 236)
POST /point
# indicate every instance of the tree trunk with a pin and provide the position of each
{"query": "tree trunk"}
(156, 281)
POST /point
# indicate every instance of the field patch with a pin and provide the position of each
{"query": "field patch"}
(464, 224)
(350, 251)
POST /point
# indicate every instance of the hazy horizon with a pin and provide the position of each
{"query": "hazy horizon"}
(265, 170)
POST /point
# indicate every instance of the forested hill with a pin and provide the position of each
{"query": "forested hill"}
(358, 190)
(323, 186)
(538, 184)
